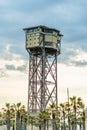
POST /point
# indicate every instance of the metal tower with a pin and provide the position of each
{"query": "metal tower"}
(43, 46)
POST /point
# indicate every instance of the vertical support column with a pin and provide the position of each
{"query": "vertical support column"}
(43, 127)
(56, 79)
(29, 82)
(43, 80)
(32, 87)
(85, 126)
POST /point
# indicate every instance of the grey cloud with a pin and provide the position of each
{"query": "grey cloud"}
(10, 67)
(21, 68)
(80, 63)
(67, 55)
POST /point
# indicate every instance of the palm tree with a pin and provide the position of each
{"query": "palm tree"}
(74, 110)
(83, 118)
(31, 120)
(80, 121)
(7, 114)
(15, 114)
(1, 118)
(68, 114)
(53, 110)
(20, 115)
(23, 114)
(77, 107)
(80, 113)
(63, 108)
(43, 119)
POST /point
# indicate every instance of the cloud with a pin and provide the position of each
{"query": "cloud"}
(10, 67)
(73, 56)
(2, 73)
(74, 78)
(13, 89)
(11, 62)
(79, 59)
(21, 68)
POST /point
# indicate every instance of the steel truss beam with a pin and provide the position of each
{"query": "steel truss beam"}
(42, 89)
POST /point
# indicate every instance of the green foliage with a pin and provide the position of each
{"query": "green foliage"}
(64, 115)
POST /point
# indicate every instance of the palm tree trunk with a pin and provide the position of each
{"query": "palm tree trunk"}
(75, 123)
(69, 123)
(47, 124)
(21, 122)
(25, 124)
(80, 126)
(53, 122)
(64, 122)
(13, 127)
(8, 124)
(43, 125)
(84, 125)
(18, 121)
(73, 126)
(84, 128)
(40, 127)
(8, 120)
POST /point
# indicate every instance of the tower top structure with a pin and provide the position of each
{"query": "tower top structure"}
(42, 36)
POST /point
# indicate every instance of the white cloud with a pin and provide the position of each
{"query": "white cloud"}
(11, 62)
(13, 81)
(76, 57)
(74, 78)
(72, 74)
(13, 89)
(80, 56)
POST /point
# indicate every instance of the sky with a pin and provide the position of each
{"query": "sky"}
(70, 17)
